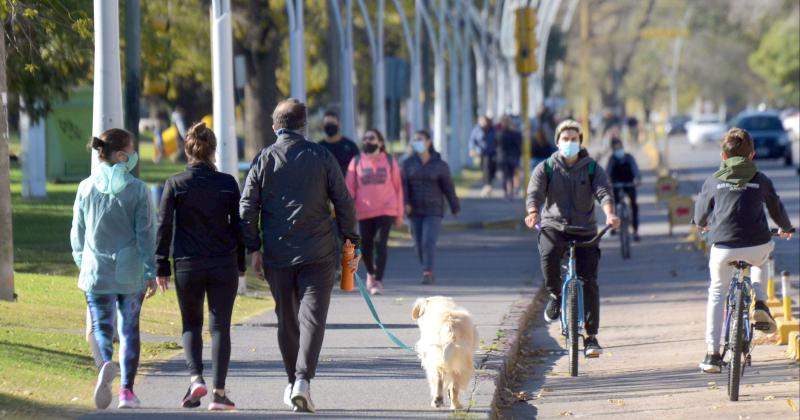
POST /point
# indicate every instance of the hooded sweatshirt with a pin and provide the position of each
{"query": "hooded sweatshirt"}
(566, 200)
(375, 184)
(113, 232)
(731, 204)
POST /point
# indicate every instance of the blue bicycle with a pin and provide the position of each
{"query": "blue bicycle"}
(572, 315)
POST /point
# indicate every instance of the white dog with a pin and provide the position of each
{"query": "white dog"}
(447, 341)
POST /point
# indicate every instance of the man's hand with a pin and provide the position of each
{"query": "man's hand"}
(257, 262)
(612, 220)
(353, 264)
(532, 219)
(163, 283)
(784, 235)
(151, 288)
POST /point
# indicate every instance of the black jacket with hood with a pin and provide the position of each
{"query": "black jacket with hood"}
(425, 186)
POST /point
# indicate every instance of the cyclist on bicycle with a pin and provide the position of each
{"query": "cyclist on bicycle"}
(731, 208)
(564, 188)
(622, 169)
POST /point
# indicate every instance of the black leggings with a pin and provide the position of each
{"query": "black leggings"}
(220, 283)
(631, 193)
(374, 243)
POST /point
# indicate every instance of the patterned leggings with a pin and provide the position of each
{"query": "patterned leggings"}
(128, 308)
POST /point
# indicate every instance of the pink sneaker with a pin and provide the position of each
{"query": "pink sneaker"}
(370, 283)
(378, 289)
(127, 399)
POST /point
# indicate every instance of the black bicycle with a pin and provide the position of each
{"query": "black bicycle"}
(624, 214)
(572, 315)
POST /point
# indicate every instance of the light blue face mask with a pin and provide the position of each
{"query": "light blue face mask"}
(133, 160)
(569, 149)
(619, 153)
(418, 146)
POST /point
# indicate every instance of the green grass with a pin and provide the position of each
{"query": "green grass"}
(46, 368)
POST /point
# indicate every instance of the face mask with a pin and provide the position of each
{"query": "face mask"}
(418, 146)
(619, 153)
(370, 148)
(569, 149)
(133, 159)
(331, 129)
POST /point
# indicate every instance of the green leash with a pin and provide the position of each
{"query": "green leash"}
(363, 289)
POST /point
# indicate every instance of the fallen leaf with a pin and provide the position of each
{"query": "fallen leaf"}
(567, 413)
(769, 398)
(524, 396)
(75, 398)
(792, 405)
(610, 354)
(618, 403)
(712, 383)
(714, 407)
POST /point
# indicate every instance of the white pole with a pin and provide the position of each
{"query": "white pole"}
(34, 184)
(294, 11)
(222, 77)
(414, 111)
(375, 38)
(452, 42)
(107, 101)
(346, 54)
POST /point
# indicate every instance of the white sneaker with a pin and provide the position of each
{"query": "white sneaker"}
(102, 391)
(287, 396)
(301, 397)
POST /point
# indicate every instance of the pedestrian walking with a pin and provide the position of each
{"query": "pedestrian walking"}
(341, 147)
(113, 244)
(288, 193)
(426, 185)
(509, 152)
(483, 145)
(201, 205)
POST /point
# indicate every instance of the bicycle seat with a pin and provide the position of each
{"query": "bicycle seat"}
(740, 264)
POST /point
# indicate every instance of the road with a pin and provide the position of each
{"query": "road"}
(652, 326)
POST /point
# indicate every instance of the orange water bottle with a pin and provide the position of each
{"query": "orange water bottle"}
(348, 254)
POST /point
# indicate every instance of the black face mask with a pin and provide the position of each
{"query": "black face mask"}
(331, 129)
(370, 148)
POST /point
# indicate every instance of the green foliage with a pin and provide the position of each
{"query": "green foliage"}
(777, 61)
(49, 46)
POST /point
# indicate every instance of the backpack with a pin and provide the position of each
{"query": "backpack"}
(548, 170)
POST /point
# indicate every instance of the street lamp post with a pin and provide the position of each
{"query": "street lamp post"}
(107, 94)
(297, 55)
(222, 76)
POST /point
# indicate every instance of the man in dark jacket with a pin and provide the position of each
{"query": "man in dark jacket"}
(625, 177)
(564, 189)
(341, 147)
(289, 190)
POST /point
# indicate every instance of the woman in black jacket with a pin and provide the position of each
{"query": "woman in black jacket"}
(426, 183)
(203, 206)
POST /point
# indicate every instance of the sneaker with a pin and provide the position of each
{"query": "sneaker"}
(712, 363)
(370, 282)
(287, 396)
(427, 277)
(221, 403)
(102, 391)
(591, 348)
(196, 391)
(127, 399)
(636, 237)
(553, 309)
(301, 397)
(762, 318)
(378, 289)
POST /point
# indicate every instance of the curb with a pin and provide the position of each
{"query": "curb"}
(504, 224)
(506, 375)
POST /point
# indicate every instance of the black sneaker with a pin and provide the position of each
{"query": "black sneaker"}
(591, 348)
(552, 311)
(712, 363)
(221, 403)
(427, 278)
(762, 318)
(636, 237)
(196, 391)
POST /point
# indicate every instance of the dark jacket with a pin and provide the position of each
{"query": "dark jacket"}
(289, 190)
(566, 201)
(203, 207)
(425, 186)
(735, 214)
(623, 170)
(509, 147)
(482, 141)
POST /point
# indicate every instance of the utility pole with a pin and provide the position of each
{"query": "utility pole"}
(375, 38)
(676, 60)
(297, 54)
(107, 95)
(585, 71)
(525, 34)
(133, 62)
(222, 76)
(6, 231)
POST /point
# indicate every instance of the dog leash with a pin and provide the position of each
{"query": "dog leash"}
(363, 289)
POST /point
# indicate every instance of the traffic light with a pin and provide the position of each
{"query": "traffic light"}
(525, 35)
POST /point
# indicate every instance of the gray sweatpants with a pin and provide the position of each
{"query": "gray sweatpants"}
(302, 296)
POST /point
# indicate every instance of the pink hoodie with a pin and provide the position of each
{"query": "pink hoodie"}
(375, 186)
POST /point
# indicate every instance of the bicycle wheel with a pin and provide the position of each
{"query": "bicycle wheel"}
(625, 236)
(572, 327)
(736, 344)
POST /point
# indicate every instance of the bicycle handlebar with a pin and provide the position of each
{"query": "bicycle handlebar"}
(575, 243)
(774, 232)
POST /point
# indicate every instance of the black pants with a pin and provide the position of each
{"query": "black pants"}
(586, 265)
(374, 243)
(488, 168)
(509, 168)
(302, 296)
(631, 193)
(220, 285)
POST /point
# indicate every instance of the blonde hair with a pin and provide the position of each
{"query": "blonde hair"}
(569, 125)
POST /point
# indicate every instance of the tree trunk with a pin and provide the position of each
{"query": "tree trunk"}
(260, 97)
(6, 231)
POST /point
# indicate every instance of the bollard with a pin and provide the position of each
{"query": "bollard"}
(774, 304)
(786, 324)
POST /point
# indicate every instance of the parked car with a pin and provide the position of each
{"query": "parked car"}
(677, 124)
(705, 129)
(770, 138)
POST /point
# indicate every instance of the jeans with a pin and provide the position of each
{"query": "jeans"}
(374, 243)
(425, 230)
(128, 308)
(586, 265)
(721, 274)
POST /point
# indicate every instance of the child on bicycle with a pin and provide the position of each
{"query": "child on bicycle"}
(731, 208)
(622, 169)
(564, 188)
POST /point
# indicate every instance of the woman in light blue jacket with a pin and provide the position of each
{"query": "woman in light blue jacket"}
(113, 244)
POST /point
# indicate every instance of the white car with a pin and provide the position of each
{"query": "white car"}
(705, 129)
(792, 124)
